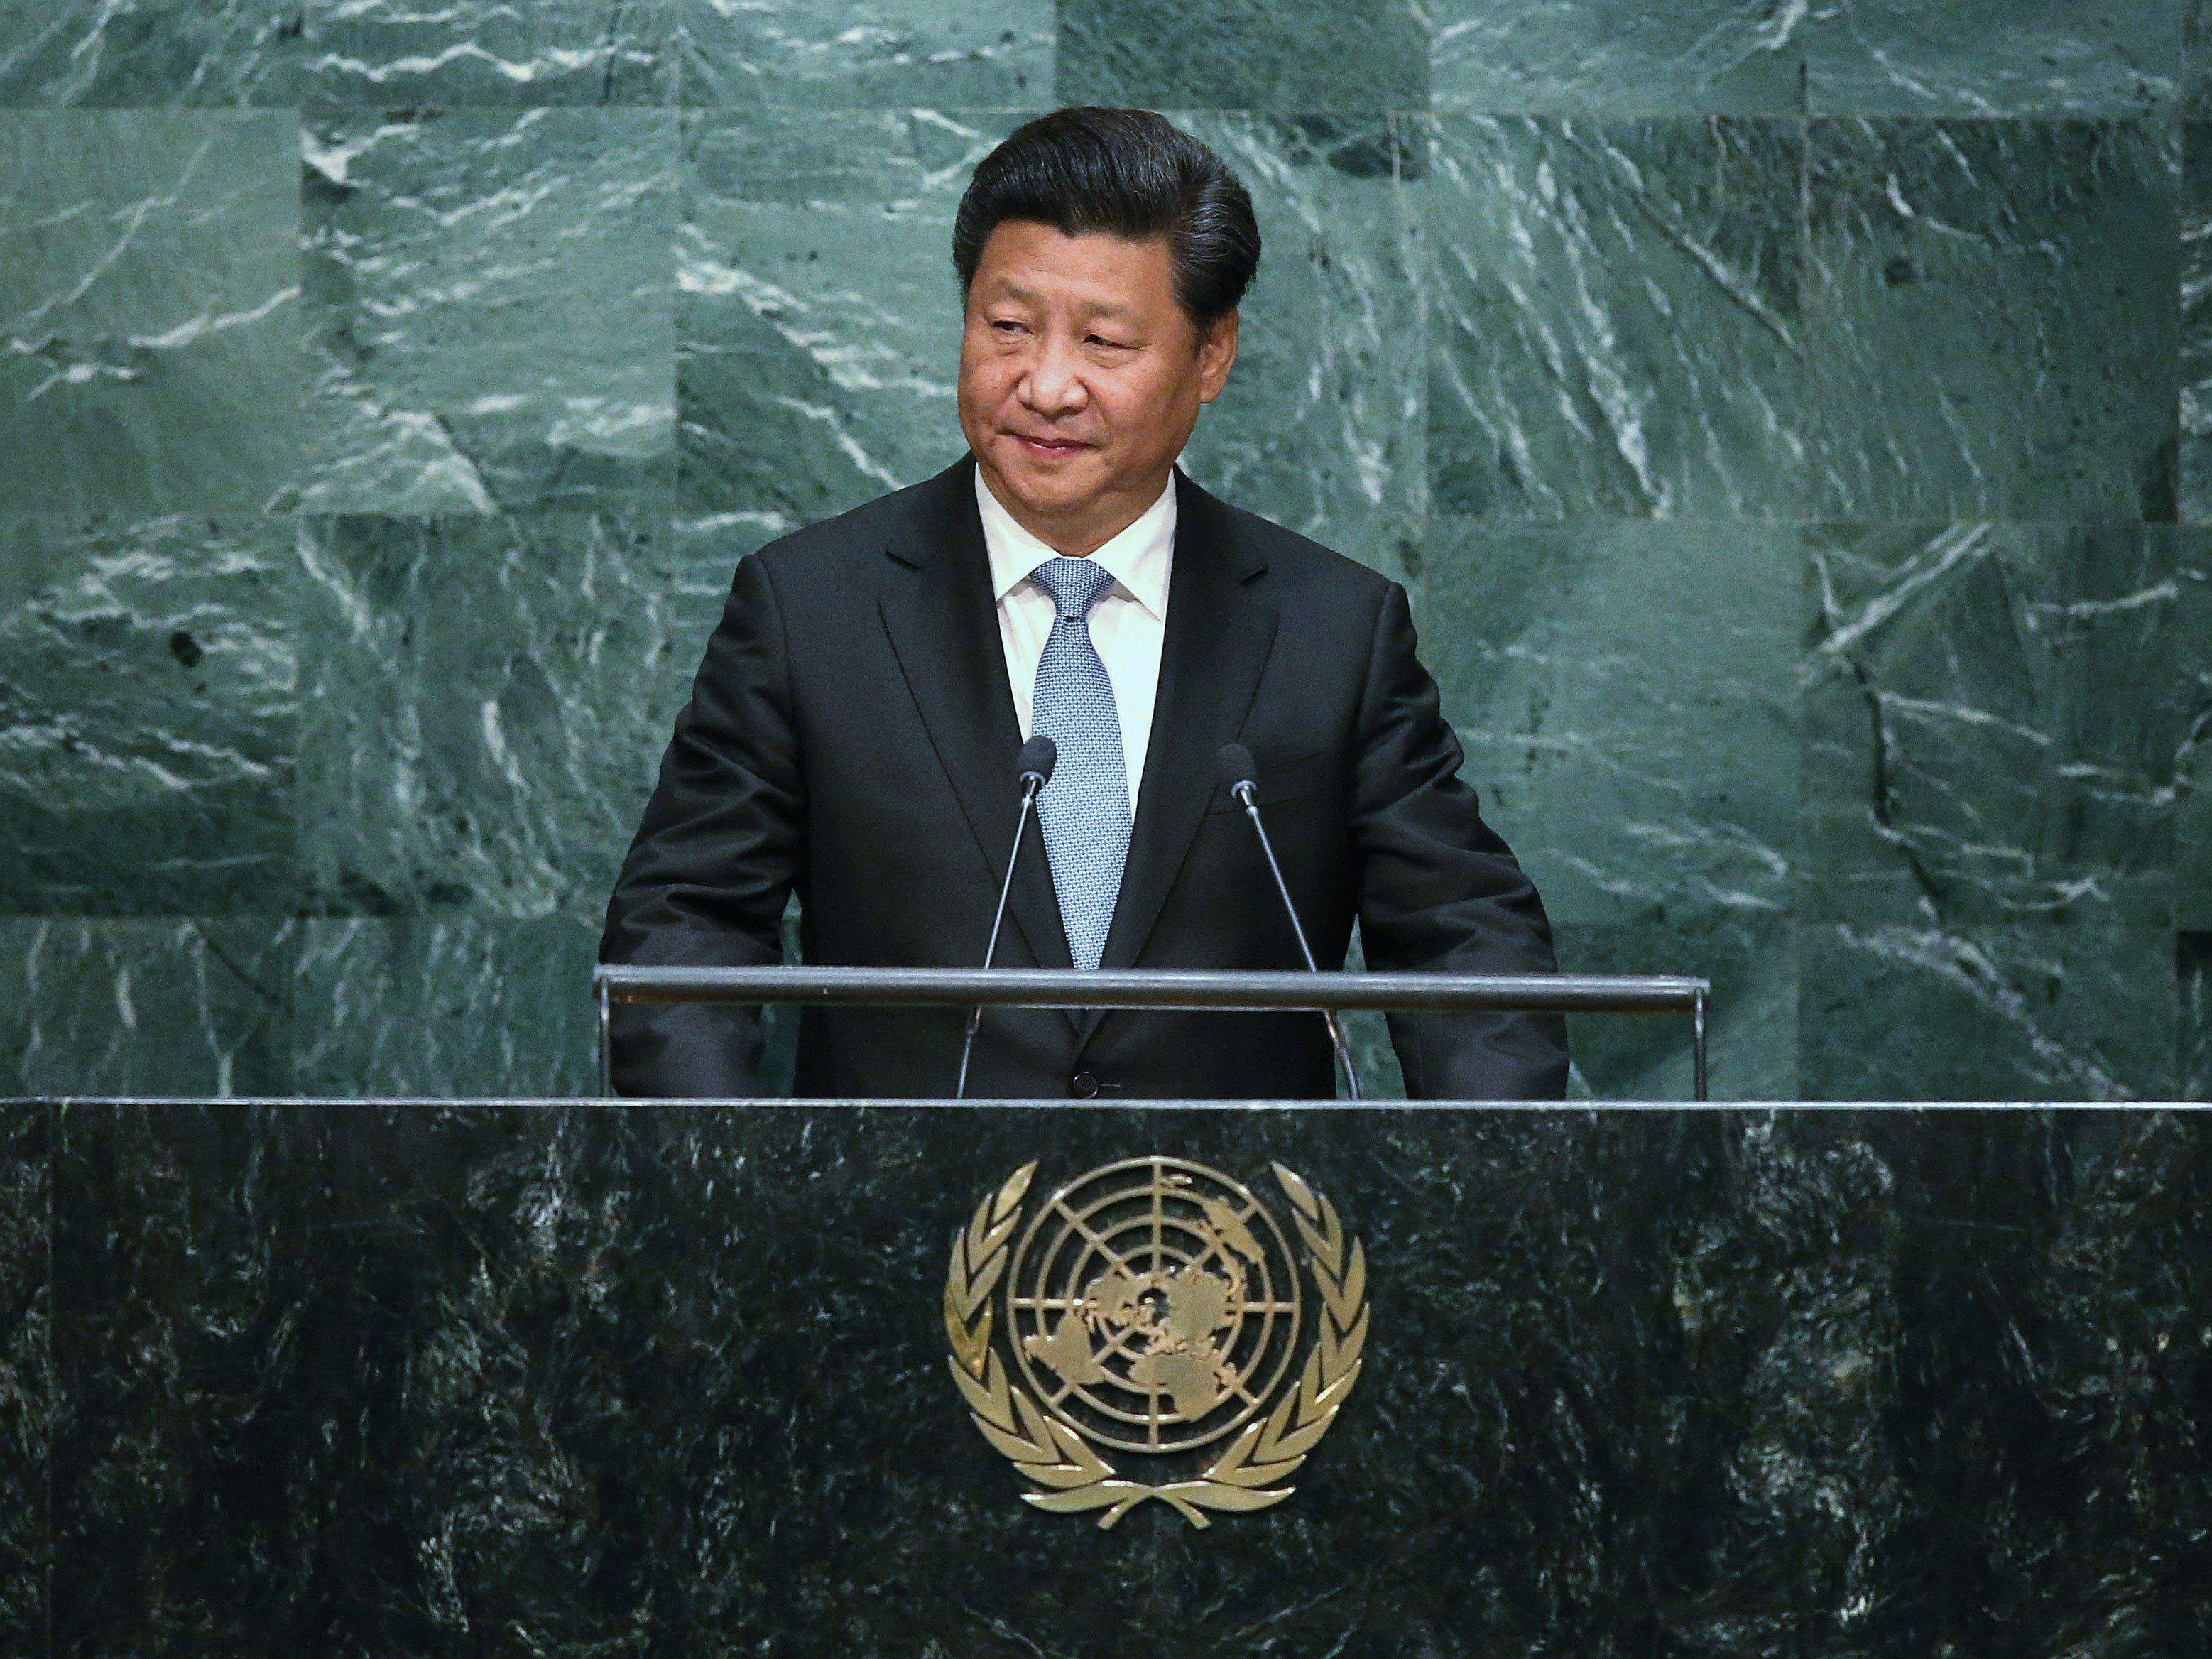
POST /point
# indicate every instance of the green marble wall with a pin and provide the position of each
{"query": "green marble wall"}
(1792, 422)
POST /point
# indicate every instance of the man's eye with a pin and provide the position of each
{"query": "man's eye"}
(1004, 326)
(1117, 345)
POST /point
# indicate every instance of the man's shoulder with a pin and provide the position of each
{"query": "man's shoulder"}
(1298, 562)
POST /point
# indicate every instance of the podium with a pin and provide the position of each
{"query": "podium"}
(578, 1377)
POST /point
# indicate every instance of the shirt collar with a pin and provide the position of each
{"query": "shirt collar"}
(1137, 559)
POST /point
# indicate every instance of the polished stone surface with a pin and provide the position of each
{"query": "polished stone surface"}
(558, 1380)
(2193, 970)
(804, 390)
(152, 52)
(1627, 57)
(390, 387)
(148, 1005)
(491, 319)
(1972, 58)
(2195, 364)
(485, 703)
(149, 690)
(1561, 641)
(27, 1396)
(2192, 723)
(2026, 1011)
(1989, 731)
(1295, 57)
(1750, 954)
(495, 1006)
(1323, 419)
(1616, 319)
(892, 54)
(1995, 57)
(402, 54)
(1991, 315)
(151, 311)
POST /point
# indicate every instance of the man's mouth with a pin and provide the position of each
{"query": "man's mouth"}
(1046, 447)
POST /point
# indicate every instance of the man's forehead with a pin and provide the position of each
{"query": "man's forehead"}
(1098, 272)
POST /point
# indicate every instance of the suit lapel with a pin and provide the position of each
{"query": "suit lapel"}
(1219, 634)
(937, 609)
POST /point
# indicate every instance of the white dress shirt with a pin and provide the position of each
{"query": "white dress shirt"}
(1128, 625)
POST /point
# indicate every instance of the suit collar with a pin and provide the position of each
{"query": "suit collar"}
(943, 627)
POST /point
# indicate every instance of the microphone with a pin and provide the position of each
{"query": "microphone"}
(1032, 771)
(1233, 765)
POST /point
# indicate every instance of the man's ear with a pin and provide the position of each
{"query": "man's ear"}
(1217, 355)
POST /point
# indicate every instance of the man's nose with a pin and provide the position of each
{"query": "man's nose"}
(1054, 385)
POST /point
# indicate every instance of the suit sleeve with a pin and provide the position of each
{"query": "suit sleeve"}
(716, 856)
(1440, 890)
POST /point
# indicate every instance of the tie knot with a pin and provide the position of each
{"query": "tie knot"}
(1074, 584)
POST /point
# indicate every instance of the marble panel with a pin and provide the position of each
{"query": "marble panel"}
(403, 54)
(565, 1380)
(151, 314)
(1990, 308)
(1625, 693)
(446, 1006)
(1619, 57)
(2192, 715)
(2052, 1331)
(149, 715)
(1972, 58)
(2196, 59)
(1989, 725)
(2027, 1013)
(491, 319)
(25, 1374)
(2195, 370)
(487, 700)
(820, 318)
(150, 52)
(1288, 57)
(1321, 427)
(242, 1348)
(2193, 1035)
(1983, 57)
(1614, 319)
(1751, 1033)
(837, 54)
(145, 1007)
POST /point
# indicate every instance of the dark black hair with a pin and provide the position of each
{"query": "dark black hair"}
(1124, 173)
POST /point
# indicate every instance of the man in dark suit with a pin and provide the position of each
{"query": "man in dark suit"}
(852, 731)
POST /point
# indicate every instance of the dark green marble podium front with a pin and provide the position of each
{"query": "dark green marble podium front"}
(565, 1379)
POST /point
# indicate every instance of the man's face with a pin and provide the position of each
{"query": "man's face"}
(1081, 378)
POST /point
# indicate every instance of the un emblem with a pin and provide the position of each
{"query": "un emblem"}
(1154, 1306)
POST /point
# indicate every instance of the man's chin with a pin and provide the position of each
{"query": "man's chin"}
(1053, 485)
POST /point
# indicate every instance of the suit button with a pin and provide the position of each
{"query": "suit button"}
(1085, 1084)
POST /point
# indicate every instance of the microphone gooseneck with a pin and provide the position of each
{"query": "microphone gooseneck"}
(1233, 765)
(1032, 771)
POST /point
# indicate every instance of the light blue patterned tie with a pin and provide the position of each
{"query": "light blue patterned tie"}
(1085, 810)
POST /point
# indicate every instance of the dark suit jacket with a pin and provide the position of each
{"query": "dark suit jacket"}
(851, 734)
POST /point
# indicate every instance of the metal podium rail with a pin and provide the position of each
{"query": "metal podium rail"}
(1157, 988)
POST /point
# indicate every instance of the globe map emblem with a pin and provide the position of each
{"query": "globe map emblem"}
(1153, 1304)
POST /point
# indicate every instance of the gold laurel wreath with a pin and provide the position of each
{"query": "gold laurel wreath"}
(1244, 1477)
